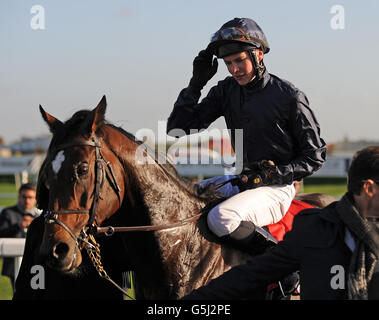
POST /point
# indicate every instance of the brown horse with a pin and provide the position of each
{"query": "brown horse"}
(96, 174)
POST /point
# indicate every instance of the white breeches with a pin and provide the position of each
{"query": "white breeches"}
(262, 206)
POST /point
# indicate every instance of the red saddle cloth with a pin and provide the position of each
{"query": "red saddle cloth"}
(278, 229)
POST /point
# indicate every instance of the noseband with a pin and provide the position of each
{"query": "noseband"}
(101, 173)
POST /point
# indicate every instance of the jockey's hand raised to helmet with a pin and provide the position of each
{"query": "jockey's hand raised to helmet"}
(204, 68)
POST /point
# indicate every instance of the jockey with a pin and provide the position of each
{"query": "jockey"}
(281, 136)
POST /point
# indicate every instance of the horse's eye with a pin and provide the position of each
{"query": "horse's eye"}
(82, 169)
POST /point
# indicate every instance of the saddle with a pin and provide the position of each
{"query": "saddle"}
(280, 228)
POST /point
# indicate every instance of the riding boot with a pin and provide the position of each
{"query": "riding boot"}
(256, 240)
(250, 238)
(284, 288)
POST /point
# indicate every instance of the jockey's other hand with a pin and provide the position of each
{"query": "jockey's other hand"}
(258, 174)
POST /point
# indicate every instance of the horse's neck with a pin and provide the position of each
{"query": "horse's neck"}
(167, 203)
(189, 257)
(166, 196)
(174, 261)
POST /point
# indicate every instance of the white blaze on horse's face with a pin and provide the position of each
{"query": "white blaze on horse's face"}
(57, 162)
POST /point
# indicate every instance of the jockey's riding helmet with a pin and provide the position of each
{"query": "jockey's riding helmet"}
(238, 35)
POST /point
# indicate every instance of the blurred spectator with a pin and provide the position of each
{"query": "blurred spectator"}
(14, 222)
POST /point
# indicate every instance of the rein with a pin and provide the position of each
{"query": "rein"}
(109, 231)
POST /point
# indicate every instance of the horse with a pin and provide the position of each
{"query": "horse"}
(97, 178)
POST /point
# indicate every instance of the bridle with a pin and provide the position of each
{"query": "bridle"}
(101, 173)
(87, 236)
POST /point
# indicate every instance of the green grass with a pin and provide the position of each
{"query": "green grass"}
(8, 188)
(5, 285)
(7, 202)
(336, 190)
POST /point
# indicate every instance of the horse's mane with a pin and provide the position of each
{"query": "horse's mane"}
(76, 125)
(206, 193)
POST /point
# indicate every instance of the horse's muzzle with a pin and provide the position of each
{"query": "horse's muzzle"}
(62, 256)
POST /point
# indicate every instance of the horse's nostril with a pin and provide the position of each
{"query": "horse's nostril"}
(60, 250)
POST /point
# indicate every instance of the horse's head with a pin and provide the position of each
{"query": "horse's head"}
(78, 187)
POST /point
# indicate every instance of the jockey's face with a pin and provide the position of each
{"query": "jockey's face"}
(241, 67)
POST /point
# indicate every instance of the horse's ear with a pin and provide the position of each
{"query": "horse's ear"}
(101, 107)
(97, 116)
(51, 121)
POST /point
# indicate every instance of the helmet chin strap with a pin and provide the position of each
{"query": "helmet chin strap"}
(259, 68)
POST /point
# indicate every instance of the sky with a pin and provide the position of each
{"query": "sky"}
(139, 54)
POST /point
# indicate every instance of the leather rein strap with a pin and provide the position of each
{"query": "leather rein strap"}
(108, 231)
